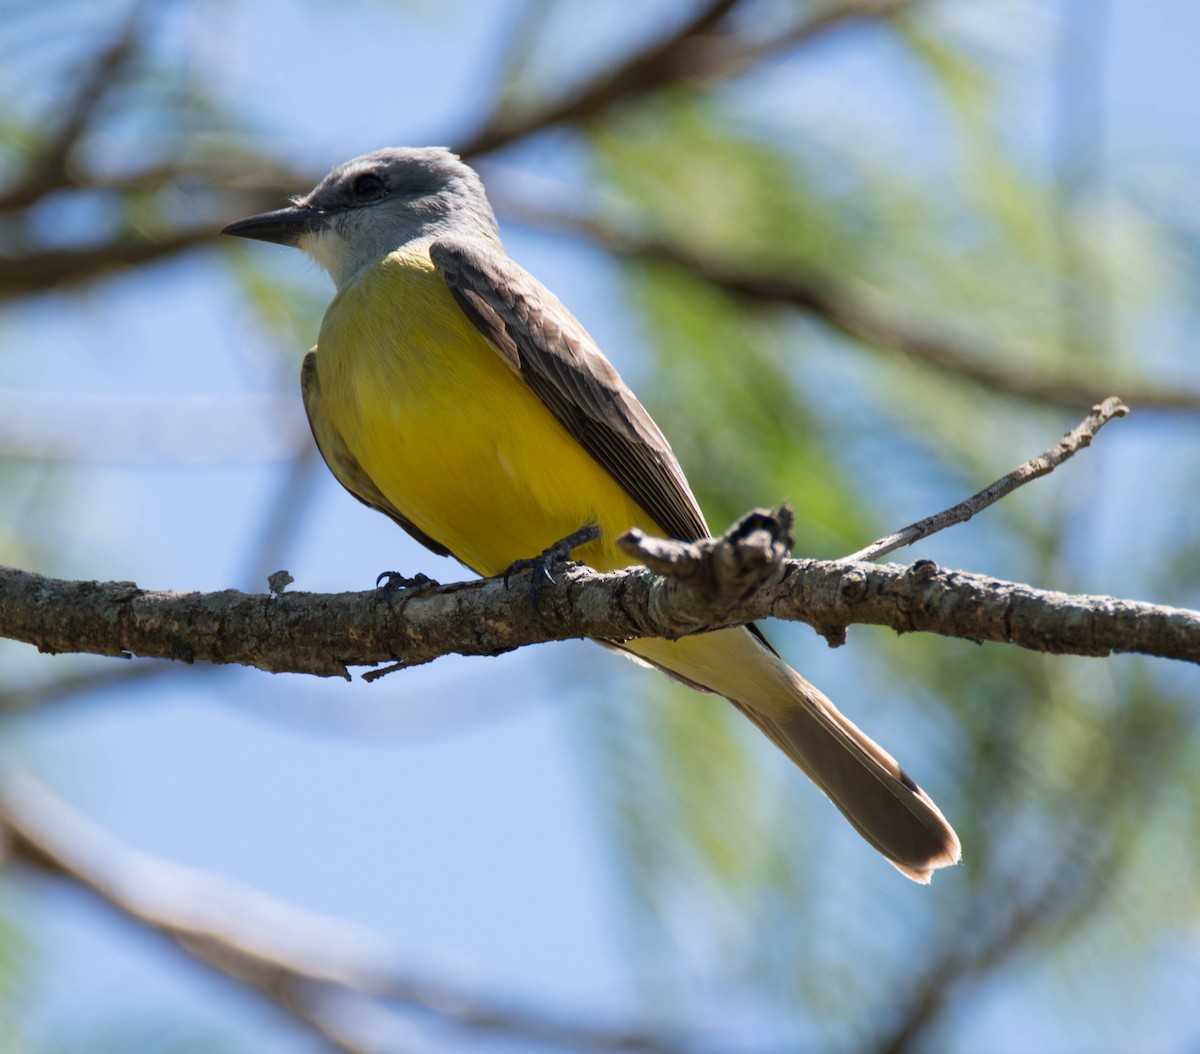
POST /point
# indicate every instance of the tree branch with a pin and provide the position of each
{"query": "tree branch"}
(701, 49)
(324, 634)
(334, 978)
(49, 170)
(1075, 440)
(55, 268)
(653, 66)
(860, 312)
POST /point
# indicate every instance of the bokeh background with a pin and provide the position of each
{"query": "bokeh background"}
(976, 218)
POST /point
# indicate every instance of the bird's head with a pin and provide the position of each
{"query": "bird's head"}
(373, 204)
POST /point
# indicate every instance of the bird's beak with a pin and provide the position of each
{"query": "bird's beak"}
(283, 226)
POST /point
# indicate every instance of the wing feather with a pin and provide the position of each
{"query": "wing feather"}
(554, 355)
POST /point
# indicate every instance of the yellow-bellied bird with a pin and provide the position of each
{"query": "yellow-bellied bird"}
(452, 391)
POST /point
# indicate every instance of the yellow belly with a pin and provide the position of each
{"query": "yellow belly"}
(449, 432)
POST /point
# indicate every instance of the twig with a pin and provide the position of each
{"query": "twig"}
(324, 633)
(725, 570)
(248, 183)
(1075, 440)
(333, 977)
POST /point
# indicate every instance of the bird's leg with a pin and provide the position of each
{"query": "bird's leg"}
(541, 567)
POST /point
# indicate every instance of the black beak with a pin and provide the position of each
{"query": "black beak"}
(283, 226)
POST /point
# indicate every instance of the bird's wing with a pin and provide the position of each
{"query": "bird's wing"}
(553, 354)
(341, 462)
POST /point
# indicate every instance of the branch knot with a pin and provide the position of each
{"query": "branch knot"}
(720, 572)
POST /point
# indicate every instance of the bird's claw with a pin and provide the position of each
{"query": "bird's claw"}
(389, 583)
(541, 567)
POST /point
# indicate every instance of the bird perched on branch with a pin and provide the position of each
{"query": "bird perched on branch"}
(451, 390)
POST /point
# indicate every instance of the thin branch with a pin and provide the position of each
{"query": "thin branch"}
(655, 65)
(249, 174)
(335, 978)
(860, 312)
(323, 634)
(1075, 440)
(56, 268)
(701, 49)
(49, 171)
(248, 184)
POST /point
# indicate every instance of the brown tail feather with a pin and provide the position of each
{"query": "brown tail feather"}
(870, 789)
(862, 779)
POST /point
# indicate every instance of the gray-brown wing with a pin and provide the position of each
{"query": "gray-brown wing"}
(555, 356)
(348, 472)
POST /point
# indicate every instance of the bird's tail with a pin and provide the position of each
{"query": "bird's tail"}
(862, 779)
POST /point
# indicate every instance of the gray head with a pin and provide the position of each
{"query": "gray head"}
(376, 203)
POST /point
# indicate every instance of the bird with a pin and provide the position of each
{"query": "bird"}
(450, 390)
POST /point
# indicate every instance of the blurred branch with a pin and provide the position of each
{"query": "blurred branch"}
(54, 268)
(661, 62)
(737, 578)
(49, 169)
(703, 48)
(334, 978)
(1075, 440)
(250, 183)
(70, 686)
(865, 315)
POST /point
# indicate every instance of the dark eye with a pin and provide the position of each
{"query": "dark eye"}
(368, 185)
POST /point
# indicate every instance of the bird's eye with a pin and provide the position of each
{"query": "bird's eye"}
(368, 185)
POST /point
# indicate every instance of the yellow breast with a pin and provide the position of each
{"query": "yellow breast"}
(450, 433)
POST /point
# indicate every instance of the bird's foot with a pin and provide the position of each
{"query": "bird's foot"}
(558, 555)
(389, 583)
